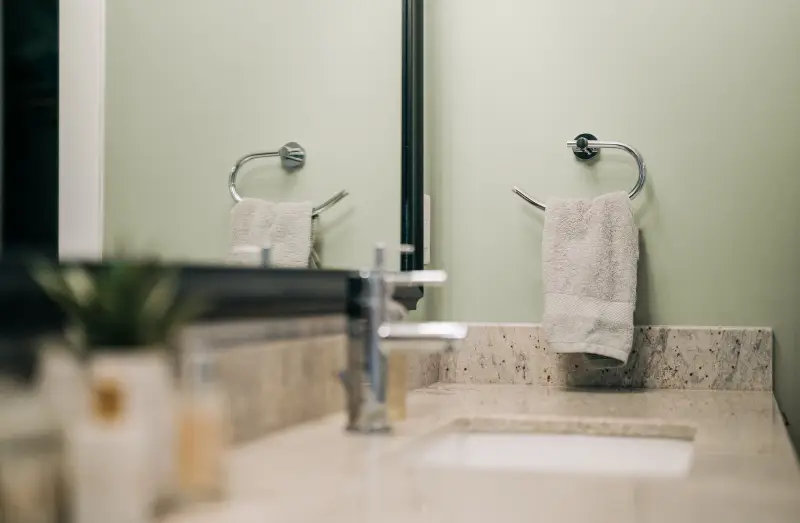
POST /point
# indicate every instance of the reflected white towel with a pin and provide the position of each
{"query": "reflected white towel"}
(283, 227)
(590, 252)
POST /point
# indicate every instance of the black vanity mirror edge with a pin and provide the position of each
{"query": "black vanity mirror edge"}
(26, 314)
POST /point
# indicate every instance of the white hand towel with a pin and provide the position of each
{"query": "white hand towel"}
(283, 227)
(590, 251)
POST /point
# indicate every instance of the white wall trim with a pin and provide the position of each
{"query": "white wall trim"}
(81, 128)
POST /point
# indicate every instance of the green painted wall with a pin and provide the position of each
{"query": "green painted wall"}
(708, 91)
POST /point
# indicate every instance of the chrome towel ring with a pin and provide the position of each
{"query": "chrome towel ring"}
(293, 157)
(587, 146)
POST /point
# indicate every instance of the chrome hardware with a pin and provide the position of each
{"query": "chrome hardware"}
(365, 376)
(293, 157)
(586, 147)
(415, 278)
(423, 331)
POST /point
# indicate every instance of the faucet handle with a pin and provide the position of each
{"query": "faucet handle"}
(432, 337)
(408, 278)
(413, 278)
(429, 331)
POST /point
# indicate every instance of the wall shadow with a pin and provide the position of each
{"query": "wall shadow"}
(642, 315)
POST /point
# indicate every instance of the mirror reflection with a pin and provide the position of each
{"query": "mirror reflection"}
(231, 125)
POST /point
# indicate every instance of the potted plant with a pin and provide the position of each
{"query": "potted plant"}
(121, 322)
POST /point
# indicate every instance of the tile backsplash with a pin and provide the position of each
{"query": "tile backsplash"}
(277, 372)
(280, 372)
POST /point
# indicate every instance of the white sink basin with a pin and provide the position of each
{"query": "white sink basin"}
(541, 452)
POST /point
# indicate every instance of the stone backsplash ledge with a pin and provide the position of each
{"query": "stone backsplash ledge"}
(280, 372)
(665, 357)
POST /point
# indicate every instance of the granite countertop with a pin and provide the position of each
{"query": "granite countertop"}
(744, 468)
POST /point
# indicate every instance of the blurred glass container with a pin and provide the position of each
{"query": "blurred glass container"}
(30, 460)
(204, 429)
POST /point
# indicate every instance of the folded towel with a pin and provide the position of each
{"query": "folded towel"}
(590, 251)
(283, 227)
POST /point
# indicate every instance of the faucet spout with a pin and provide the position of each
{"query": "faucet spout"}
(371, 337)
(430, 331)
(365, 379)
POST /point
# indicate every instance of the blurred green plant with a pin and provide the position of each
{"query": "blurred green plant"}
(124, 306)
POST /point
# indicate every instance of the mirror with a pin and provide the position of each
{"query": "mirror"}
(190, 89)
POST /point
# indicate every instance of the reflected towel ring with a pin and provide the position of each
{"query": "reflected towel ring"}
(293, 157)
(587, 146)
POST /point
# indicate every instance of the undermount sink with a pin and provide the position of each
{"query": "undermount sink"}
(562, 446)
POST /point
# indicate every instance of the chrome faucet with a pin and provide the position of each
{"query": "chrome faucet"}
(365, 377)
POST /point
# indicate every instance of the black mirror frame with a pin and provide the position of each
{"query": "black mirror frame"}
(412, 162)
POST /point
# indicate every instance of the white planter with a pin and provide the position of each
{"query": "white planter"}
(146, 381)
(62, 381)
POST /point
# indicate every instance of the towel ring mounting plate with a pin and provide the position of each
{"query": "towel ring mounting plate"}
(582, 151)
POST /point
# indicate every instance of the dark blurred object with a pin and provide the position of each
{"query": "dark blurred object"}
(30, 128)
(27, 315)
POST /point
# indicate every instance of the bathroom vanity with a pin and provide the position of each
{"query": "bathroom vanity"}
(499, 428)
(742, 467)
(502, 428)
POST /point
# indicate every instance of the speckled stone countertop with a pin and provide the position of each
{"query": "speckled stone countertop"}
(744, 469)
